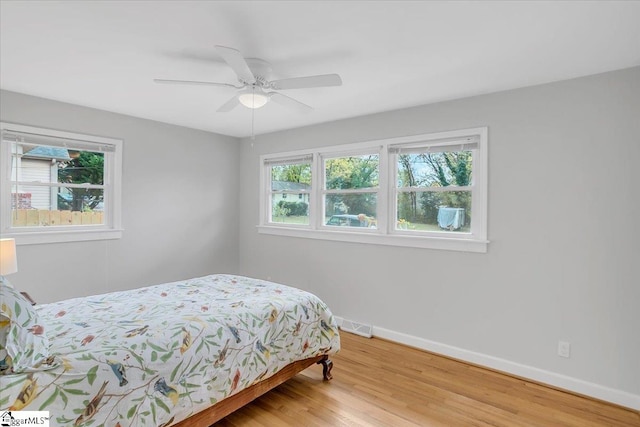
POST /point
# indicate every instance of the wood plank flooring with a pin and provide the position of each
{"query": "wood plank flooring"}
(380, 383)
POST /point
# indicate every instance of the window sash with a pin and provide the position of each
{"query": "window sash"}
(268, 164)
(324, 191)
(453, 145)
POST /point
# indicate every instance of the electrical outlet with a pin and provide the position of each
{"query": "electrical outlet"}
(564, 349)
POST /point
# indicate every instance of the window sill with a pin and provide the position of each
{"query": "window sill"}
(450, 244)
(62, 236)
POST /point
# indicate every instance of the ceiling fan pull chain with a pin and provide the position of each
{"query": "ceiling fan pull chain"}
(253, 117)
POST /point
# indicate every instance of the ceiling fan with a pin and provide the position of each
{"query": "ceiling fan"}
(255, 88)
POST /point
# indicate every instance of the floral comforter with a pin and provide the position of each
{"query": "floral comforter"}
(156, 355)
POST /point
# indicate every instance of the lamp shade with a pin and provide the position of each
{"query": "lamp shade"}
(8, 258)
(253, 98)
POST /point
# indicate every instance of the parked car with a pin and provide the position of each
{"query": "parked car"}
(347, 221)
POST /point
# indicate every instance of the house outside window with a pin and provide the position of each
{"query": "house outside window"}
(288, 177)
(425, 191)
(59, 186)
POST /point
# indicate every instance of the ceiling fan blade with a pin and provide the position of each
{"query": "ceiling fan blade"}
(237, 62)
(229, 105)
(287, 101)
(193, 82)
(305, 82)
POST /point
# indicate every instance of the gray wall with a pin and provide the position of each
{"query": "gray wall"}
(179, 196)
(563, 225)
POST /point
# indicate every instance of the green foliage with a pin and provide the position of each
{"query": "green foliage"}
(362, 203)
(441, 169)
(445, 169)
(293, 208)
(280, 211)
(352, 172)
(459, 168)
(429, 203)
(292, 173)
(459, 165)
(86, 168)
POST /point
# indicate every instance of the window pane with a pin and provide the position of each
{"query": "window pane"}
(352, 210)
(434, 211)
(43, 163)
(85, 167)
(435, 169)
(291, 177)
(351, 172)
(290, 210)
(41, 206)
(290, 186)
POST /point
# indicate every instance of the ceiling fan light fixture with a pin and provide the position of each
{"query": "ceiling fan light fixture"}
(253, 98)
(252, 75)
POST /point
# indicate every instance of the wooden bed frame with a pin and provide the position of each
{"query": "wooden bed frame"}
(223, 408)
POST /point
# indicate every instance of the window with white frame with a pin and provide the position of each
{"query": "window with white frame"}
(287, 177)
(433, 188)
(351, 187)
(426, 191)
(59, 186)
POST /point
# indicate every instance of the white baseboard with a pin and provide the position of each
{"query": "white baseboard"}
(564, 382)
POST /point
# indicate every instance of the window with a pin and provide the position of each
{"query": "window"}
(285, 177)
(59, 186)
(350, 193)
(434, 186)
(427, 191)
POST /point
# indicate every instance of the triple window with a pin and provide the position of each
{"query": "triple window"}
(431, 186)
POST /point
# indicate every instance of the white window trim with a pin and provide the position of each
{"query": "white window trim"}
(112, 229)
(386, 234)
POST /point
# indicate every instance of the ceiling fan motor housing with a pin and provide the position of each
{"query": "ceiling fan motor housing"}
(261, 69)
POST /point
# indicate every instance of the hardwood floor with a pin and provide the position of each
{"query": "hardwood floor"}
(380, 383)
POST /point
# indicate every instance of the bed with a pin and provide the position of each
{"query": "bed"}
(181, 353)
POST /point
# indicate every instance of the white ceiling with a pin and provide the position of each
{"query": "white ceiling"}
(391, 55)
